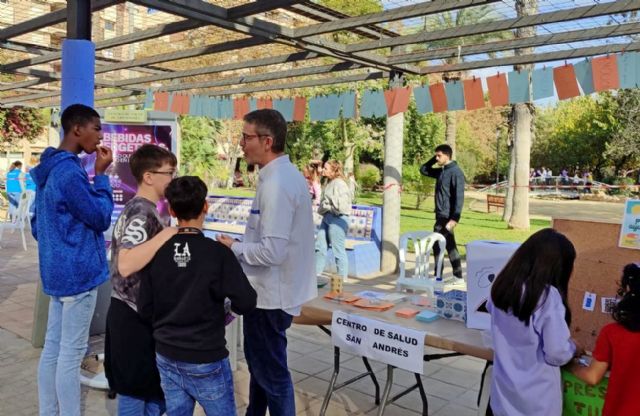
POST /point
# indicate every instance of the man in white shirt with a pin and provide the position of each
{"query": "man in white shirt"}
(277, 255)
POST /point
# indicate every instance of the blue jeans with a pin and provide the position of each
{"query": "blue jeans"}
(14, 198)
(64, 348)
(209, 384)
(134, 406)
(333, 231)
(265, 348)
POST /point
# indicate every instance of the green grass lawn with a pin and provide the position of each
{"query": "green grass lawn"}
(473, 225)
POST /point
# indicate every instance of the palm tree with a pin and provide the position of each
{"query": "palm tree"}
(454, 19)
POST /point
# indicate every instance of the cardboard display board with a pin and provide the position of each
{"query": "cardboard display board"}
(597, 271)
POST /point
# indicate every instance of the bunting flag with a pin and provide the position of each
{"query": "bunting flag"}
(253, 104)
(348, 103)
(299, 108)
(605, 73)
(565, 79)
(161, 101)
(148, 99)
(285, 107)
(519, 91)
(324, 107)
(423, 99)
(225, 108)
(179, 103)
(455, 95)
(498, 90)
(542, 82)
(473, 96)
(629, 69)
(264, 103)
(373, 104)
(438, 97)
(584, 75)
(240, 108)
(397, 100)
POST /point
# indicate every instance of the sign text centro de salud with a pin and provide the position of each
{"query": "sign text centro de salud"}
(391, 344)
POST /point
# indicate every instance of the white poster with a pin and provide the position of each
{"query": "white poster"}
(391, 344)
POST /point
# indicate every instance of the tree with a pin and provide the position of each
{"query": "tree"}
(199, 150)
(623, 150)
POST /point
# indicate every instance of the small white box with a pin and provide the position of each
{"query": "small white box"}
(485, 259)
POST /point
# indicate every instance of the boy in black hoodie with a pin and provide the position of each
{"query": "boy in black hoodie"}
(183, 297)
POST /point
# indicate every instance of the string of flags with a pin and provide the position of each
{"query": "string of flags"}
(567, 81)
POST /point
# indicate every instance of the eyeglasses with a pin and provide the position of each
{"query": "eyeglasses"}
(246, 137)
(172, 173)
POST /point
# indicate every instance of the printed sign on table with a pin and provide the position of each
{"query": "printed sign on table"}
(391, 344)
(630, 230)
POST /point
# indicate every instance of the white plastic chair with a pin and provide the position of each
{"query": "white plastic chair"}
(423, 242)
(22, 217)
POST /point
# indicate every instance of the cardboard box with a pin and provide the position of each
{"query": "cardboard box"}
(485, 259)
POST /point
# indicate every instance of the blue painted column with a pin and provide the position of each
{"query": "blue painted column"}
(78, 72)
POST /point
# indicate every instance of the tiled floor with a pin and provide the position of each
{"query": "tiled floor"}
(451, 384)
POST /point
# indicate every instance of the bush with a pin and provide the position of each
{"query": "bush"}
(625, 186)
(413, 181)
(368, 176)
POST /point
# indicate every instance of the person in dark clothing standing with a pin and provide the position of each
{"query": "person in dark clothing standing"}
(449, 197)
(183, 296)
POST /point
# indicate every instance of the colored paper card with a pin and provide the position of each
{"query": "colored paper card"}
(455, 95)
(498, 90)
(284, 107)
(605, 73)
(397, 100)
(584, 75)
(423, 99)
(348, 103)
(519, 91)
(542, 82)
(180, 104)
(427, 316)
(373, 104)
(299, 108)
(161, 101)
(589, 301)
(174, 103)
(225, 108)
(317, 109)
(629, 69)
(438, 97)
(253, 104)
(407, 312)
(565, 79)
(473, 95)
(240, 108)
(148, 99)
(194, 102)
(264, 103)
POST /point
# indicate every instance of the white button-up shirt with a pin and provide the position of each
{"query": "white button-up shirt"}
(277, 251)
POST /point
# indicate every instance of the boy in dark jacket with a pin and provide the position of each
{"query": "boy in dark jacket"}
(449, 197)
(183, 296)
(70, 216)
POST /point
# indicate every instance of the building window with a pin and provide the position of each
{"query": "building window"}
(109, 25)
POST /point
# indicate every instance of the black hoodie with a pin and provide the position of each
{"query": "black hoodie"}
(449, 188)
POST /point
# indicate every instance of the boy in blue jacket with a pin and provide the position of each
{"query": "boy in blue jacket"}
(71, 215)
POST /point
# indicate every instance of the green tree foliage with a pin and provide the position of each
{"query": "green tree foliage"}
(20, 123)
(414, 182)
(423, 132)
(623, 150)
(368, 175)
(199, 150)
(575, 133)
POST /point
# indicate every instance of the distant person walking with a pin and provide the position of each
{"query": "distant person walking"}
(449, 197)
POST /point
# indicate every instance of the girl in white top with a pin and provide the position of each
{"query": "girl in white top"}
(335, 208)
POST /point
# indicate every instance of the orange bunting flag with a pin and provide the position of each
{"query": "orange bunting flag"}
(240, 108)
(566, 84)
(161, 101)
(605, 73)
(438, 97)
(180, 104)
(473, 96)
(397, 100)
(299, 108)
(498, 90)
(263, 103)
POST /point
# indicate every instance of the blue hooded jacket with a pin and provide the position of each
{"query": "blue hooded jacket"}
(69, 220)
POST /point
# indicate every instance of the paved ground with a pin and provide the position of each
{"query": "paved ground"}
(452, 384)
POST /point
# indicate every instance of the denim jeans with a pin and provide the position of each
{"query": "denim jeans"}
(135, 406)
(14, 198)
(265, 348)
(452, 249)
(209, 384)
(333, 231)
(64, 348)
